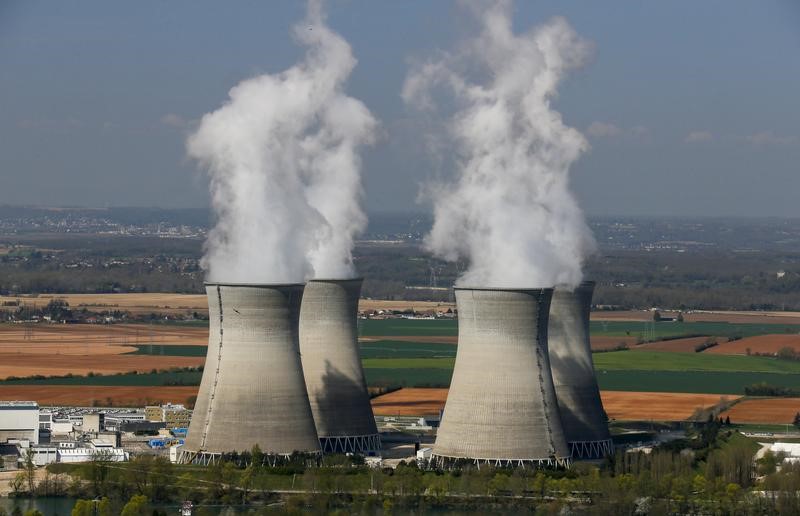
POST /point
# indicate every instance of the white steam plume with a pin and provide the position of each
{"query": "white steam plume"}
(282, 156)
(509, 212)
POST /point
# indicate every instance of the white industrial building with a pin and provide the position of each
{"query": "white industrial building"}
(19, 421)
(791, 451)
(71, 452)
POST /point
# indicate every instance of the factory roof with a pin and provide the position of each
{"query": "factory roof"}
(16, 405)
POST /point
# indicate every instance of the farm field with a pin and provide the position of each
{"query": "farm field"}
(660, 406)
(759, 410)
(709, 382)
(396, 352)
(657, 406)
(82, 339)
(659, 330)
(410, 402)
(604, 342)
(408, 377)
(401, 349)
(87, 396)
(134, 303)
(686, 345)
(753, 317)
(170, 350)
(24, 364)
(658, 361)
(769, 344)
(165, 303)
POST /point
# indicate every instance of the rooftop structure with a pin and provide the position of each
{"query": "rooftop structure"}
(19, 420)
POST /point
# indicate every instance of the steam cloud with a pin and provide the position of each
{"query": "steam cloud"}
(509, 212)
(282, 156)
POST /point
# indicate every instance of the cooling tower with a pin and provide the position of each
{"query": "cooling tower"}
(252, 391)
(497, 412)
(332, 366)
(582, 414)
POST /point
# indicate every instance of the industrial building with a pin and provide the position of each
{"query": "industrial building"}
(19, 421)
(582, 415)
(253, 390)
(72, 452)
(501, 409)
(173, 416)
(332, 367)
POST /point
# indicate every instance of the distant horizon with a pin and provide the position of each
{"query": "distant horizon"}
(409, 213)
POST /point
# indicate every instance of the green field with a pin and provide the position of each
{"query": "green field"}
(660, 361)
(403, 349)
(407, 327)
(170, 350)
(420, 363)
(408, 377)
(409, 363)
(661, 330)
(711, 382)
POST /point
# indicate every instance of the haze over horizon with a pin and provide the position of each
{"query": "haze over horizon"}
(690, 109)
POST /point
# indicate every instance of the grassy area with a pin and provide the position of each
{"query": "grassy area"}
(409, 363)
(660, 330)
(409, 377)
(170, 350)
(407, 327)
(404, 349)
(659, 361)
(711, 382)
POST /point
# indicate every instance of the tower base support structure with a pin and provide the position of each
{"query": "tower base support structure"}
(588, 450)
(443, 462)
(360, 444)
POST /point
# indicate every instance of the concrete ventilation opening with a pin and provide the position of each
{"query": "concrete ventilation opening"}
(501, 409)
(252, 390)
(332, 366)
(585, 422)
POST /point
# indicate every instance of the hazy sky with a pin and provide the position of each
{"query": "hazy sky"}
(691, 108)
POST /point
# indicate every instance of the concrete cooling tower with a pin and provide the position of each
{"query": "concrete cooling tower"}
(582, 414)
(497, 412)
(332, 366)
(252, 391)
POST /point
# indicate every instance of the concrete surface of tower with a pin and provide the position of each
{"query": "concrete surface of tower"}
(582, 415)
(252, 390)
(501, 408)
(332, 367)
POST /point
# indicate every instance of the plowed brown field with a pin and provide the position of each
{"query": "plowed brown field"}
(686, 345)
(410, 402)
(657, 406)
(23, 364)
(639, 406)
(85, 396)
(760, 344)
(605, 342)
(58, 349)
(93, 339)
(772, 410)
